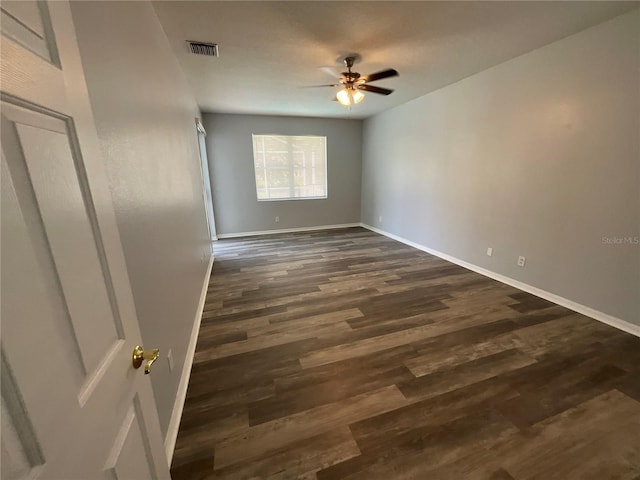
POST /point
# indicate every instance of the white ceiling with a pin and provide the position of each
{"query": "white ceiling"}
(269, 50)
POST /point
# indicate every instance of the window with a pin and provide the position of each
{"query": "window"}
(290, 167)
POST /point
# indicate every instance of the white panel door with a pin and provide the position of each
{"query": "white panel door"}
(73, 406)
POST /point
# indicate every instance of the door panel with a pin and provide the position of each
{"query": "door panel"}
(28, 23)
(20, 450)
(73, 406)
(40, 333)
(43, 143)
(131, 444)
(15, 455)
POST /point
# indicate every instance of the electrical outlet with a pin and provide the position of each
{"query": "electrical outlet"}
(170, 360)
(521, 261)
(380, 219)
(489, 251)
(277, 219)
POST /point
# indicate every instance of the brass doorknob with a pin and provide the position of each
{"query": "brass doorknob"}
(139, 355)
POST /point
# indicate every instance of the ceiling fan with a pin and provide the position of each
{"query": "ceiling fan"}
(353, 83)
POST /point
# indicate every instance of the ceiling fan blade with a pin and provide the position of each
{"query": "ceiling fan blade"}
(374, 89)
(317, 86)
(332, 72)
(390, 72)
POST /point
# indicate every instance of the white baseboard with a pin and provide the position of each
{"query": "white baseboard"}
(176, 414)
(618, 323)
(288, 230)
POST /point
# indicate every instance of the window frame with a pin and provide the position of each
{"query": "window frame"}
(326, 168)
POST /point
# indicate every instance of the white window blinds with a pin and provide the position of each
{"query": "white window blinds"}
(290, 167)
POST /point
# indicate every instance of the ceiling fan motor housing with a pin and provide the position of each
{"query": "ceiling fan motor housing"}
(349, 77)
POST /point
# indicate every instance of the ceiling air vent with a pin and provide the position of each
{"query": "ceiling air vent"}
(202, 48)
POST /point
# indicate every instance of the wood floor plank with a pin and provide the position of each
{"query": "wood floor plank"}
(301, 460)
(269, 436)
(344, 370)
(213, 329)
(320, 320)
(374, 432)
(463, 374)
(362, 347)
(556, 447)
(344, 354)
(563, 334)
(446, 357)
(297, 400)
(556, 396)
(412, 454)
(207, 433)
(281, 336)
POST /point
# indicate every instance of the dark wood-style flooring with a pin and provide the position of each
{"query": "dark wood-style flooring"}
(344, 354)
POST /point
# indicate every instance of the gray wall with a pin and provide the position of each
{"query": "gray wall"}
(230, 150)
(538, 156)
(145, 116)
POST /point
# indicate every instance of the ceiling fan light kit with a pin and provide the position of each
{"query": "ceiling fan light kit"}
(353, 84)
(348, 97)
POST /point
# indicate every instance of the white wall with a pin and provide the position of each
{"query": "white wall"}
(145, 116)
(538, 156)
(230, 150)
